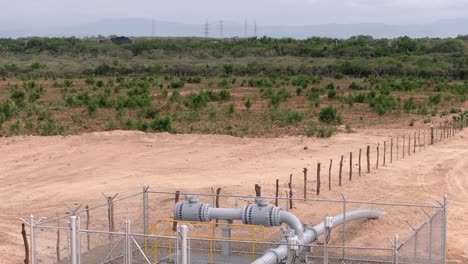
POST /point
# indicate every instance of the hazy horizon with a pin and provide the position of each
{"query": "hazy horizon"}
(63, 13)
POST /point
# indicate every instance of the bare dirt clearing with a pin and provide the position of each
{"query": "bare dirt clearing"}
(40, 174)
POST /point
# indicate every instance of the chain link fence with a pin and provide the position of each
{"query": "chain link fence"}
(102, 232)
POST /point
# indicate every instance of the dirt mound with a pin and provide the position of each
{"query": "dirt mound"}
(40, 174)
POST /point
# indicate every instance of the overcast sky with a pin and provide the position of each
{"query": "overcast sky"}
(47, 13)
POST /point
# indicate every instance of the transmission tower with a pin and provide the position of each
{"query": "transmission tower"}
(152, 28)
(221, 28)
(207, 29)
(255, 28)
(246, 27)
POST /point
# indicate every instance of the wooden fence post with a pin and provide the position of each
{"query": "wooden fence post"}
(176, 200)
(409, 145)
(368, 159)
(360, 152)
(384, 152)
(404, 140)
(329, 175)
(419, 140)
(26, 245)
(57, 245)
(290, 192)
(391, 150)
(218, 192)
(350, 166)
(397, 148)
(378, 154)
(414, 143)
(424, 138)
(318, 178)
(277, 192)
(110, 210)
(341, 168)
(432, 134)
(258, 190)
(305, 183)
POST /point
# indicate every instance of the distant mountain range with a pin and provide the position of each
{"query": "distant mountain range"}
(139, 27)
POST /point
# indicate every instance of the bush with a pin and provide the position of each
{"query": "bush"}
(162, 124)
(311, 129)
(409, 105)
(435, 99)
(18, 97)
(383, 104)
(285, 117)
(197, 100)
(331, 94)
(329, 115)
(248, 104)
(356, 86)
(177, 84)
(326, 132)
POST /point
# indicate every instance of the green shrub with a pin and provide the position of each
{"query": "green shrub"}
(409, 105)
(284, 117)
(348, 129)
(331, 94)
(162, 124)
(90, 80)
(176, 84)
(329, 115)
(326, 132)
(356, 86)
(51, 128)
(455, 110)
(311, 129)
(231, 109)
(15, 127)
(18, 97)
(435, 99)
(197, 100)
(248, 104)
(383, 104)
(68, 83)
(299, 91)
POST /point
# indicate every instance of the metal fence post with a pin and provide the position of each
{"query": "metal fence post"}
(128, 245)
(415, 256)
(444, 231)
(78, 240)
(73, 248)
(395, 249)
(145, 209)
(33, 240)
(344, 225)
(430, 239)
(183, 233)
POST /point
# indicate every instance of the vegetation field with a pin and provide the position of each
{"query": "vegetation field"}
(240, 87)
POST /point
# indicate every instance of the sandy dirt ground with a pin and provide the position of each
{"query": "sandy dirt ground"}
(40, 174)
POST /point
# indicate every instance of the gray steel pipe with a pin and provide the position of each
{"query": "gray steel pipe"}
(293, 222)
(225, 213)
(275, 255)
(260, 213)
